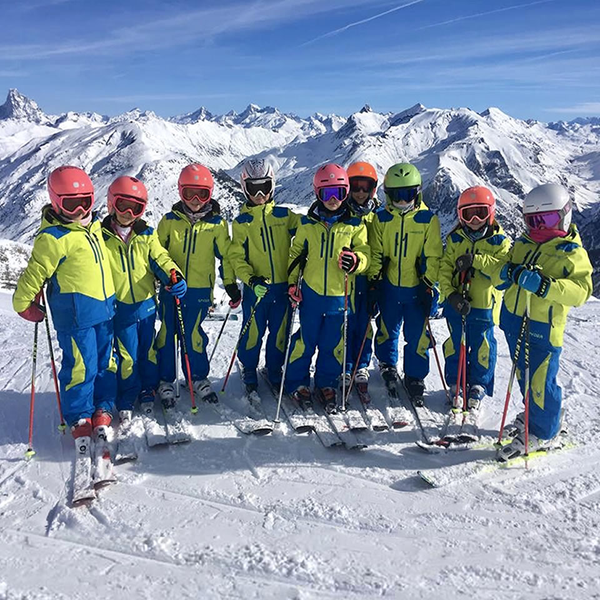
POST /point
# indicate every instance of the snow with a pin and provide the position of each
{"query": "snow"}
(282, 517)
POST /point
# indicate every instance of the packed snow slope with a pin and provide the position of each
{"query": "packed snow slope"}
(280, 516)
(453, 148)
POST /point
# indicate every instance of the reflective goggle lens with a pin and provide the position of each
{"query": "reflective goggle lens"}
(545, 220)
(361, 184)
(477, 212)
(403, 194)
(73, 204)
(127, 204)
(189, 193)
(259, 186)
(332, 193)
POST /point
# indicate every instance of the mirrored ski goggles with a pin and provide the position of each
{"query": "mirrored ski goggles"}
(259, 186)
(545, 220)
(201, 193)
(327, 194)
(403, 194)
(128, 204)
(72, 205)
(474, 213)
(361, 184)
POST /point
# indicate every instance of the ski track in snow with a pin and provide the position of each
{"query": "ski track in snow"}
(228, 516)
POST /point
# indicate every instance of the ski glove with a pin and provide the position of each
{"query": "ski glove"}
(259, 285)
(177, 289)
(295, 295)
(348, 261)
(464, 262)
(233, 291)
(35, 312)
(531, 280)
(507, 272)
(461, 305)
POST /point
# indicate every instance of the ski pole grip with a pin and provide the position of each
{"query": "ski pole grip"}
(173, 276)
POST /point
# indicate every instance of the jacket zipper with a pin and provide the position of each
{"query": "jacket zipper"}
(268, 245)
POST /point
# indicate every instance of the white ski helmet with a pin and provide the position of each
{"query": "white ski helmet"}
(547, 198)
(257, 177)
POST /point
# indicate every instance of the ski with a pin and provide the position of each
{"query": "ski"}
(156, 433)
(177, 426)
(427, 422)
(460, 426)
(103, 467)
(83, 483)
(127, 436)
(244, 424)
(398, 415)
(341, 427)
(463, 471)
(442, 446)
(354, 417)
(373, 415)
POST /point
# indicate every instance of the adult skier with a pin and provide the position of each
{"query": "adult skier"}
(548, 270)
(259, 252)
(195, 235)
(136, 258)
(69, 254)
(333, 244)
(470, 295)
(406, 250)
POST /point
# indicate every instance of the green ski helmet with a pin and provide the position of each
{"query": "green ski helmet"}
(402, 184)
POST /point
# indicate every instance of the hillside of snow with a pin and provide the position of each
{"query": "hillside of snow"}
(453, 149)
(280, 516)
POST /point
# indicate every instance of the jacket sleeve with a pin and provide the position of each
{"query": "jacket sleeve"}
(446, 271)
(222, 242)
(163, 232)
(491, 265)
(46, 256)
(298, 246)
(161, 262)
(576, 287)
(433, 250)
(376, 244)
(361, 248)
(237, 253)
(293, 223)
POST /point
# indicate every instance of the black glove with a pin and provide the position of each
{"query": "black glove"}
(348, 260)
(461, 305)
(233, 291)
(464, 262)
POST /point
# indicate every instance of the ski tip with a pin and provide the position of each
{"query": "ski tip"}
(29, 453)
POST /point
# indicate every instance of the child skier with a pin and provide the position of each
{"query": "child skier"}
(549, 270)
(406, 251)
(477, 233)
(259, 252)
(136, 258)
(69, 253)
(363, 204)
(334, 244)
(195, 234)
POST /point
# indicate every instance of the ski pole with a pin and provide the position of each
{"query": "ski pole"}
(345, 341)
(183, 346)
(30, 451)
(219, 336)
(527, 382)
(239, 341)
(437, 358)
(62, 427)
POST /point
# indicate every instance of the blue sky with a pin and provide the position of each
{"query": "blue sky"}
(531, 58)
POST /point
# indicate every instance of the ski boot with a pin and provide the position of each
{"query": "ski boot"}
(328, 398)
(415, 388)
(252, 394)
(146, 399)
(361, 383)
(302, 397)
(516, 427)
(82, 429)
(517, 447)
(125, 417)
(166, 393)
(476, 395)
(204, 392)
(101, 421)
(389, 374)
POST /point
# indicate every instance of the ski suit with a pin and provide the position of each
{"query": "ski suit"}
(406, 252)
(567, 265)
(260, 247)
(194, 247)
(135, 264)
(322, 307)
(73, 259)
(485, 302)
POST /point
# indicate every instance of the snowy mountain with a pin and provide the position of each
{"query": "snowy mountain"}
(453, 148)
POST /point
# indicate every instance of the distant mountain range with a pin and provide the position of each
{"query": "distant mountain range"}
(453, 149)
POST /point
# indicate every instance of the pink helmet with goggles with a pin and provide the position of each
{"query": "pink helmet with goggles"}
(195, 180)
(127, 195)
(331, 176)
(71, 191)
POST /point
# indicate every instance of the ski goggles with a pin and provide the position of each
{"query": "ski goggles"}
(74, 205)
(259, 186)
(362, 184)
(474, 213)
(403, 194)
(128, 204)
(327, 194)
(546, 220)
(202, 194)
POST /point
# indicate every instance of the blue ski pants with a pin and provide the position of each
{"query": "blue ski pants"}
(358, 322)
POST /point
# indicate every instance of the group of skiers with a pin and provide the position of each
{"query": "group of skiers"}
(346, 261)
